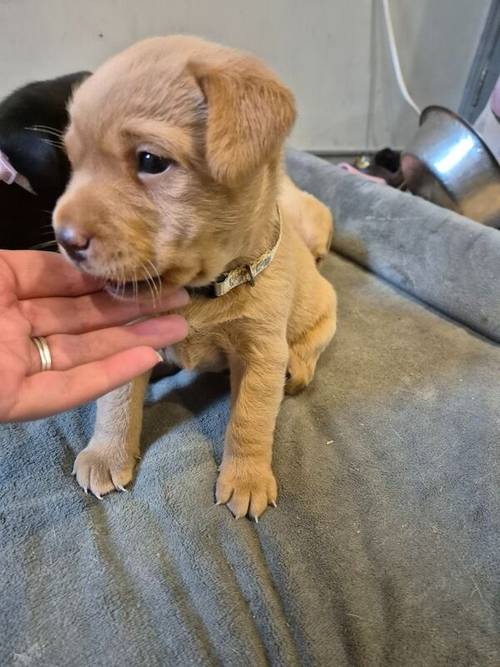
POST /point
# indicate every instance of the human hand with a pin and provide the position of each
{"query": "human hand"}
(92, 350)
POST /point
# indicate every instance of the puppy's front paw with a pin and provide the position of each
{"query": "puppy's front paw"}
(246, 487)
(99, 469)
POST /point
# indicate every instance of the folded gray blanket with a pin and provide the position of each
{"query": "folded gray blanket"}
(384, 548)
(438, 256)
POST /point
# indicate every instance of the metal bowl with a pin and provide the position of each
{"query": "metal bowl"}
(449, 164)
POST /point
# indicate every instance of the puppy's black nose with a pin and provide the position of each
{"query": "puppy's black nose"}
(74, 242)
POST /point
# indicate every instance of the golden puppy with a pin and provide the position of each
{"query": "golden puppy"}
(176, 149)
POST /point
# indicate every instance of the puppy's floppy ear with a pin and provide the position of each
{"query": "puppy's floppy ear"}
(250, 112)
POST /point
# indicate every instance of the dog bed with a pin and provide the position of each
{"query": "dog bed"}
(385, 546)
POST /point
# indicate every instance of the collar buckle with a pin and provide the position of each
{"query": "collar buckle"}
(251, 275)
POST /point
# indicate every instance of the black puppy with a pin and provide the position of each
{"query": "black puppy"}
(34, 169)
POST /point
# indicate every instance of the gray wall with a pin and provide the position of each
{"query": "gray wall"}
(332, 53)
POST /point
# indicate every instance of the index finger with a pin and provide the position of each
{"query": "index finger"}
(39, 274)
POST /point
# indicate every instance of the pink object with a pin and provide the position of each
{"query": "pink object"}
(352, 170)
(9, 175)
(7, 172)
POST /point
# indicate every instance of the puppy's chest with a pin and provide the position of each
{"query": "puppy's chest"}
(205, 347)
(200, 352)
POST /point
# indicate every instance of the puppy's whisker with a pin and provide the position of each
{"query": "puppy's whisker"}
(116, 277)
(152, 289)
(42, 126)
(50, 142)
(148, 278)
(156, 276)
(53, 143)
(123, 285)
(157, 286)
(47, 244)
(47, 129)
(53, 139)
(150, 284)
(136, 288)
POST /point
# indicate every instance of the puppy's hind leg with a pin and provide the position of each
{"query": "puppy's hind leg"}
(304, 352)
(108, 461)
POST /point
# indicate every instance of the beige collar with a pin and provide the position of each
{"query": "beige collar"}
(245, 273)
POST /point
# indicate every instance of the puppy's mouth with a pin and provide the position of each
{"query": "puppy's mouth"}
(153, 284)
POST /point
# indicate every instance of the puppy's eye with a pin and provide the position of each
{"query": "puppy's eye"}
(149, 163)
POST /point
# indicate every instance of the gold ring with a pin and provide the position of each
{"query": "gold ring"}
(44, 351)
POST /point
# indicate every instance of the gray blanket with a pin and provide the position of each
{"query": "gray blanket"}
(385, 546)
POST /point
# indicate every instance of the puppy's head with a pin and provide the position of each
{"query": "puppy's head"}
(175, 146)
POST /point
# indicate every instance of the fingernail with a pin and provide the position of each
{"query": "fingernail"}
(182, 297)
(176, 299)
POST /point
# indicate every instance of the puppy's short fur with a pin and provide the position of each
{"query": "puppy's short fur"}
(221, 117)
(310, 217)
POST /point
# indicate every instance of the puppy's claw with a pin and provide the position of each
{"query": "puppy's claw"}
(256, 518)
(86, 491)
(98, 496)
(273, 503)
(121, 488)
